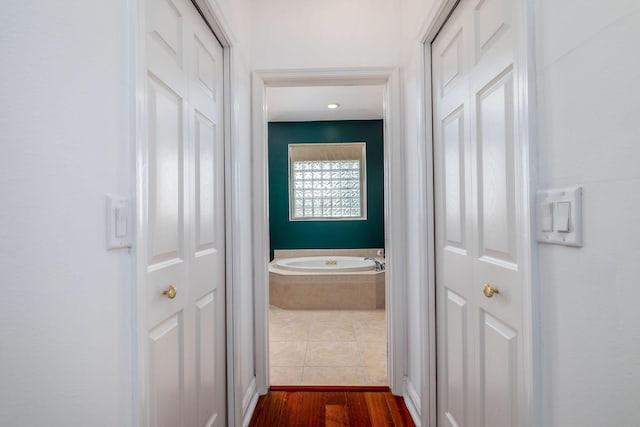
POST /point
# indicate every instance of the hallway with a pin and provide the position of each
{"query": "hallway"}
(71, 317)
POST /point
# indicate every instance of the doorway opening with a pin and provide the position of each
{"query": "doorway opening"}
(324, 340)
(326, 220)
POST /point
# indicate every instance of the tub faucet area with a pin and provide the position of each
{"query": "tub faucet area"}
(379, 265)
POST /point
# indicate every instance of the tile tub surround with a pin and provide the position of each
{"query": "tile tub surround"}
(319, 290)
(327, 347)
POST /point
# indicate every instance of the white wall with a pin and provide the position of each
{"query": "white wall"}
(330, 34)
(324, 34)
(65, 308)
(237, 19)
(244, 253)
(414, 15)
(589, 86)
(247, 349)
(415, 211)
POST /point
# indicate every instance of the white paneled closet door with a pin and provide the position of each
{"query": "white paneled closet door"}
(183, 273)
(478, 283)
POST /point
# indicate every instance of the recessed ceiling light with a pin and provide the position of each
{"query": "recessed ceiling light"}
(333, 105)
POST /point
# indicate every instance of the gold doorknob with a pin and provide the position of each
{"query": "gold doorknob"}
(171, 292)
(489, 291)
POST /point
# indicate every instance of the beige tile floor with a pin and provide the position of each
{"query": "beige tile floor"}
(327, 347)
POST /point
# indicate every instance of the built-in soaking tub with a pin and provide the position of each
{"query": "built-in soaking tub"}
(326, 281)
(326, 264)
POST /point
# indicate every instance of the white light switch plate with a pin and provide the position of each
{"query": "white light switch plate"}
(119, 222)
(558, 198)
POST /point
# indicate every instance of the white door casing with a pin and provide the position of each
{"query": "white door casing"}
(394, 197)
(480, 218)
(182, 239)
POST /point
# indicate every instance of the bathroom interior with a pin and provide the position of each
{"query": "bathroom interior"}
(327, 318)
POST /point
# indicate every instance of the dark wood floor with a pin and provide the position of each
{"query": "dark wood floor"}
(330, 408)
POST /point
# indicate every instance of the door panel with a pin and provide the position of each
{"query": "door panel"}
(167, 240)
(454, 158)
(206, 69)
(166, 189)
(184, 363)
(208, 262)
(477, 236)
(165, 373)
(451, 59)
(454, 228)
(204, 151)
(499, 356)
(206, 356)
(492, 20)
(495, 166)
(164, 24)
(456, 369)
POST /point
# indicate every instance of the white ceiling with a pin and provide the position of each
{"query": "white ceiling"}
(296, 104)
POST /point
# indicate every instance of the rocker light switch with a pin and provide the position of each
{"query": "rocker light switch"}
(560, 216)
(563, 209)
(119, 230)
(546, 216)
(121, 222)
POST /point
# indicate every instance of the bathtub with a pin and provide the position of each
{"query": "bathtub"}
(326, 264)
(326, 282)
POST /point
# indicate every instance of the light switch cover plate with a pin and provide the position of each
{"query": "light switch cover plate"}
(119, 222)
(571, 195)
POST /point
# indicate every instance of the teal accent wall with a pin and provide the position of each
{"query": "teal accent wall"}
(334, 234)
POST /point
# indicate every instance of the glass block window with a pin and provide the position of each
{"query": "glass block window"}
(329, 187)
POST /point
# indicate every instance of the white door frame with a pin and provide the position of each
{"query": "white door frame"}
(389, 78)
(530, 402)
(214, 18)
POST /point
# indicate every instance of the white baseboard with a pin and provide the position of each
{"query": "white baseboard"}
(249, 402)
(412, 400)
